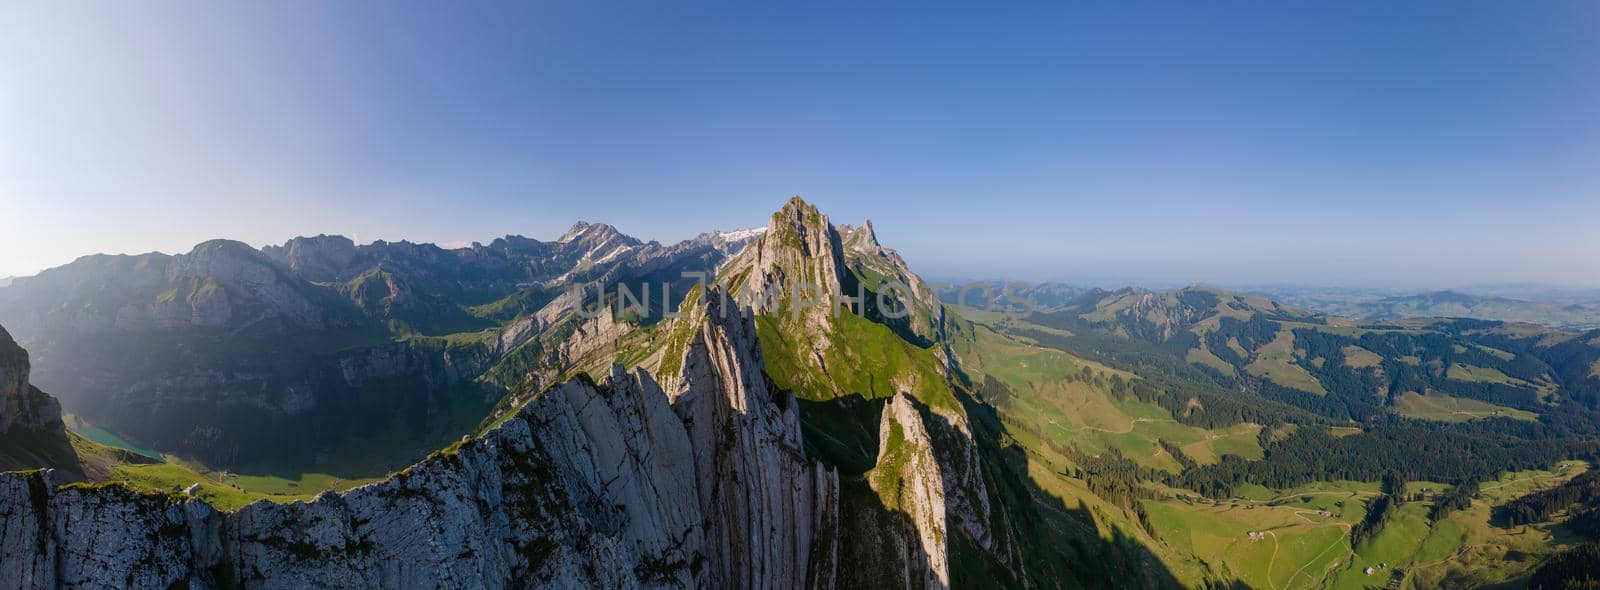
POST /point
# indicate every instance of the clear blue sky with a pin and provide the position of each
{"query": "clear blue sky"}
(1386, 142)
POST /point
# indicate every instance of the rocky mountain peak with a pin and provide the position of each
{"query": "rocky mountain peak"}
(730, 242)
(799, 248)
(802, 224)
(595, 233)
(576, 230)
(869, 235)
(229, 282)
(597, 243)
(862, 242)
(318, 258)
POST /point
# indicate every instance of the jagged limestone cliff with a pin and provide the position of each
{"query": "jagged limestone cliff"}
(909, 480)
(609, 484)
(796, 264)
(849, 344)
(771, 512)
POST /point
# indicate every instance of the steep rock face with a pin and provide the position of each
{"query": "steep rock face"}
(318, 258)
(899, 297)
(961, 473)
(800, 253)
(31, 432)
(768, 506)
(234, 282)
(909, 479)
(73, 536)
(23, 408)
(608, 485)
(26, 545)
(560, 497)
(599, 242)
(945, 490)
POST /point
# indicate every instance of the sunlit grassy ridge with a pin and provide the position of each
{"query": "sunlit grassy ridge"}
(863, 357)
(1438, 406)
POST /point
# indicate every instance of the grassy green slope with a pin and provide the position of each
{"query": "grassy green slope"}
(1050, 397)
(864, 358)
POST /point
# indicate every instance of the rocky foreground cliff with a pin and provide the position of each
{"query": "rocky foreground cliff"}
(612, 484)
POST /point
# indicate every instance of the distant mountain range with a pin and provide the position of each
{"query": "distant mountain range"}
(1453, 304)
(1010, 296)
(236, 355)
(1567, 309)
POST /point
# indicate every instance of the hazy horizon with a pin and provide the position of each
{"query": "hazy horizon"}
(1109, 277)
(1416, 146)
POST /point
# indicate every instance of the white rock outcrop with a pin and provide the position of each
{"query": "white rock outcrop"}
(909, 479)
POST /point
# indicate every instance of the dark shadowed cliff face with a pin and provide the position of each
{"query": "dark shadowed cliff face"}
(22, 407)
(31, 432)
(615, 484)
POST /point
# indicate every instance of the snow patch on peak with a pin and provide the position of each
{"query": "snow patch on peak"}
(740, 235)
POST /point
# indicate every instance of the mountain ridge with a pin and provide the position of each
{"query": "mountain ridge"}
(830, 421)
(314, 331)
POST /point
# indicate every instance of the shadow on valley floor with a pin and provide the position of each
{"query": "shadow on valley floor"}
(1036, 539)
(1064, 544)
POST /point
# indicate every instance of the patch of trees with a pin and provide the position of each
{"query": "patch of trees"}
(1337, 404)
(1540, 506)
(1573, 361)
(994, 391)
(1380, 509)
(1378, 512)
(1434, 354)
(1494, 393)
(1197, 300)
(1116, 479)
(1251, 335)
(1178, 455)
(1412, 449)
(1575, 569)
(1192, 396)
(1458, 498)
(1394, 486)
(1585, 522)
